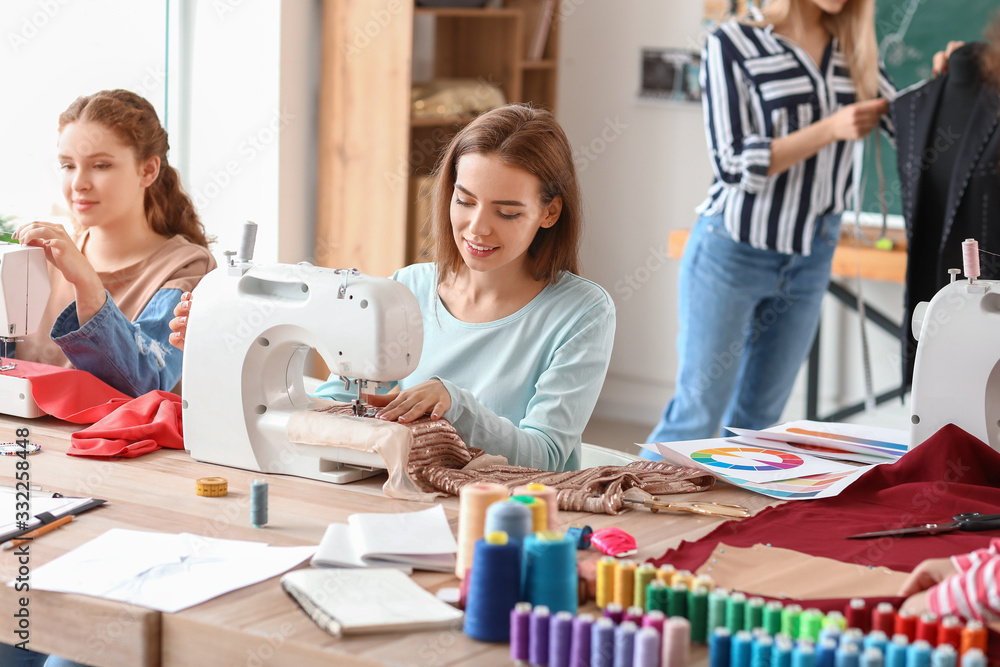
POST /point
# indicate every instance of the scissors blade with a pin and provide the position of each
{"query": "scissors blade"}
(922, 529)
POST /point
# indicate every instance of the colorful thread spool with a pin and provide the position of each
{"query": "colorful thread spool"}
(974, 658)
(580, 536)
(539, 513)
(974, 636)
(607, 568)
(646, 652)
(473, 501)
(615, 612)
(579, 653)
(560, 639)
(602, 643)
(676, 642)
(719, 647)
(753, 614)
(657, 596)
(625, 644)
(550, 495)
(509, 517)
(718, 604)
(550, 571)
(538, 643)
(698, 614)
(884, 618)
(677, 600)
(856, 614)
(950, 632)
(666, 574)
(258, 503)
(644, 574)
(927, 628)
(625, 583)
(520, 632)
(493, 589)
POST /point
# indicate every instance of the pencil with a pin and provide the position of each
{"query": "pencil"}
(37, 532)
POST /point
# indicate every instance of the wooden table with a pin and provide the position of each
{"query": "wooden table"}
(257, 625)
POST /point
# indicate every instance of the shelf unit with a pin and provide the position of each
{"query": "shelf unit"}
(374, 157)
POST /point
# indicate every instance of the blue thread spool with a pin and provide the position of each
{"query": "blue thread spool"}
(826, 652)
(804, 655)
(848, 655)
(872, 657)
(763, 646)
(919, 654)
(876, 639)
(511, 517)
(944, 656)
(579, 652)
(973, 658)
(550, 571)
(538, 642)
(580, 535)
(781, 652)
(741, 649)
(853, 636)
(493, 588)
(602, 643)
(560, 639)
(646, 651)
(625, 644)
(258, 503)
(895, 651)
(719, 647)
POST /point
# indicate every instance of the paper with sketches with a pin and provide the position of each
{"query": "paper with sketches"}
(854, 442)
(164, 571)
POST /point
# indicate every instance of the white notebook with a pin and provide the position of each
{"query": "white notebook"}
(375, 600)
(407, 541)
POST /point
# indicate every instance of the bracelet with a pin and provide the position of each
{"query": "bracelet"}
(14, 449)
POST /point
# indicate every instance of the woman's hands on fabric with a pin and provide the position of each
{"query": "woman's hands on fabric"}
(855, 121)
(65, 256)
(939, 65)
(179, 324)
(429, 397)
(929, 573)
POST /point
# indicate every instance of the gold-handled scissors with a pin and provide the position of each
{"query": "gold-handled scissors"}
(705, 508)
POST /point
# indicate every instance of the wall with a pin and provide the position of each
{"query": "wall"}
(644, 169)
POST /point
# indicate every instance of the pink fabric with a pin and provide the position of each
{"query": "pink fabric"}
(138, 427)
(66, 393)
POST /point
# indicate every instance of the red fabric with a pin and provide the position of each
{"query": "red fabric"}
(67, 393)
(142, 425)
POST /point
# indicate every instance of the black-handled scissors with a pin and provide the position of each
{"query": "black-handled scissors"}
(970, 521)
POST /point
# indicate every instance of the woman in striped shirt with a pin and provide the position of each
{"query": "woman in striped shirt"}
(967, 585)
(786, 97)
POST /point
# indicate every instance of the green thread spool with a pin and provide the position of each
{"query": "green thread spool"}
(790, 620)
(678, 601)
(754, 614)
(810, 623)
(644, 574)
(772, 617)
(736, 612)
(657, 596)
(835, 618)
(718, 603)
(698, 614)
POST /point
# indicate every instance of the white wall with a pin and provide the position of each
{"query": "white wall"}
(644, 170)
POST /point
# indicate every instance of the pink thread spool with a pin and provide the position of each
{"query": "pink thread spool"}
(970, 259)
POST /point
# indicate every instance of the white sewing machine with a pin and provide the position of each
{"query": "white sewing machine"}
(249, 334)
(24, 291)
(956, 378)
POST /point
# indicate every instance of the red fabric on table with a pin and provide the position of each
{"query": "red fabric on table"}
(67, 393)
(142, 425)
(952, 472)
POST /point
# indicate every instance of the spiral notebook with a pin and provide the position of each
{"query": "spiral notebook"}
(365, 601)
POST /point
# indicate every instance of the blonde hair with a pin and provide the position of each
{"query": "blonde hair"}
(854, 28)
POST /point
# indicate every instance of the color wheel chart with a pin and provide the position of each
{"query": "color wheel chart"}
(733, 460)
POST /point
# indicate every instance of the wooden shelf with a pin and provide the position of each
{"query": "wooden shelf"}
(539, 64)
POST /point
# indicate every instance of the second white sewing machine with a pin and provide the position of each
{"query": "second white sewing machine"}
(250, 332)
(24, 291)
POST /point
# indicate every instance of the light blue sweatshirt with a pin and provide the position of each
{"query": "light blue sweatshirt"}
(524, 386)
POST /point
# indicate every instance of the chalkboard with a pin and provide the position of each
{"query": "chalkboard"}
(909, 33)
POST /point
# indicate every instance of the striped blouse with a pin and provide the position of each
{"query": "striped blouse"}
(974, 592)
(756, 86)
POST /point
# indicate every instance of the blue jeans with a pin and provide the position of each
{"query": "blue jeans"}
(747, 321)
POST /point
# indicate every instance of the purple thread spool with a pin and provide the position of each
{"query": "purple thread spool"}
(560, 639)
(538, 643)
(647, 648)
(625, 644)
(520, 633)
(654, 619)
(614, 611)
(602, 643)
(579, 653)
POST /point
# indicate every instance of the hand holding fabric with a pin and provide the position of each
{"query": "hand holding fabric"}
(429, 397)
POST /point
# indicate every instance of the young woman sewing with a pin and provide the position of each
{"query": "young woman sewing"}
(136, 248)
(516, 345)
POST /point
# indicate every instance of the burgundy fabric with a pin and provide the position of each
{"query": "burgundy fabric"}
(138, 427)
(67, 393)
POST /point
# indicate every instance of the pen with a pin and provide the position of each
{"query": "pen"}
(37, 532)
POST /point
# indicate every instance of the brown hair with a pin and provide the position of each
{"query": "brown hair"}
(132, 118)
(989, 59)
(531, 140)
(854, 28)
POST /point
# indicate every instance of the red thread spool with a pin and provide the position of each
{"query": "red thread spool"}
(856, 613)
(950, 632)
(884, 618)
(973, 636)
(927, 628)
(906, 624)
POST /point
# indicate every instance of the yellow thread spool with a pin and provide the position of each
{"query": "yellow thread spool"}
(685, 577)
(666, 574)
(547, 493)
(703, 580)
(644, 574)
(473, 501)
(496, 537)
(607, 569)
(211, 487)
(625, 583)
(539, 513)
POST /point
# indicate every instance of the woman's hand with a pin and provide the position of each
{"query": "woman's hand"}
(179, 324)
(855, 121)
(939, 65)
(928, 573)
(65, 256)
(429, 397)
